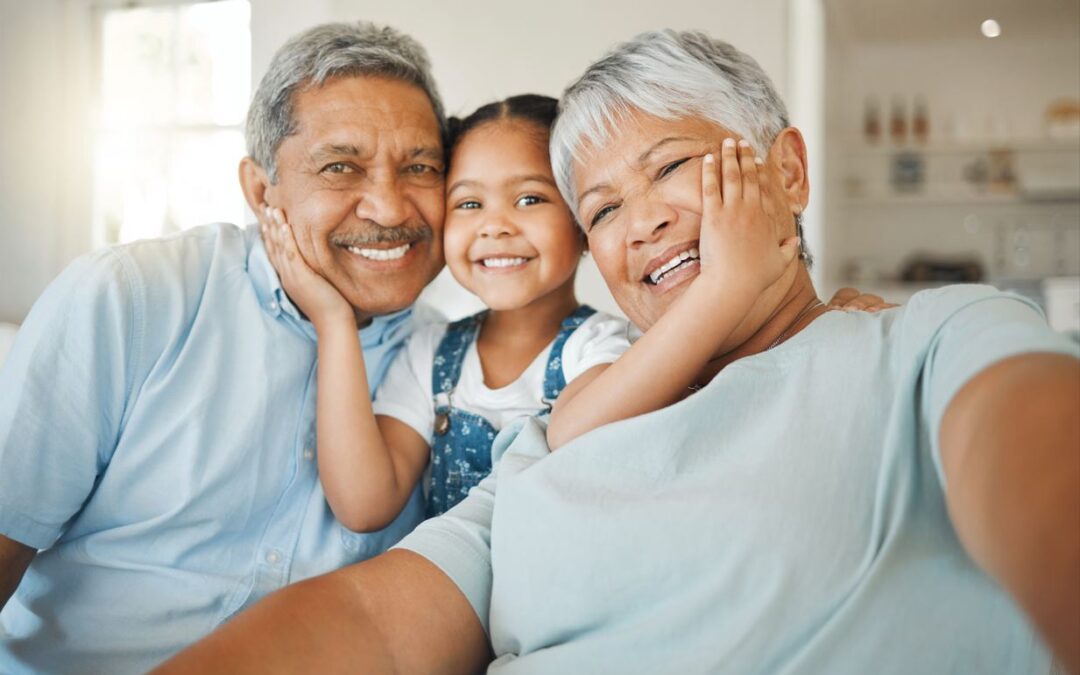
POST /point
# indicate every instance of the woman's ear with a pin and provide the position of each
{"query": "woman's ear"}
(255, 184)
(788, 155)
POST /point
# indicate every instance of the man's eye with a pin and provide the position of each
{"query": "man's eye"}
(529, 200)
(421, 169)
(668, 168)
(601, 214)
(468, 204)
(338, 167)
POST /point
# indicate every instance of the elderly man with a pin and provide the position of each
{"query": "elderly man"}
(157, 410)
(842, 493)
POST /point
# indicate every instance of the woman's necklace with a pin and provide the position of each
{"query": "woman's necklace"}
(787, 332)
(783, 336)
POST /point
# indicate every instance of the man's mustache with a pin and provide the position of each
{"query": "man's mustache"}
(385, 235)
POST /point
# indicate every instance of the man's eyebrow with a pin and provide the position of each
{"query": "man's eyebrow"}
(644, 157)
(327, 150)
(428, 152)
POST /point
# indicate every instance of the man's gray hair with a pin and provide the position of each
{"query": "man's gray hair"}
(667, 74)
(323, 52)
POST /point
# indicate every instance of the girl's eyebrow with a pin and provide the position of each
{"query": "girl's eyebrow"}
(512, 180)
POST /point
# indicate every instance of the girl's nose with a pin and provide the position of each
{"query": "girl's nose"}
(496, 226)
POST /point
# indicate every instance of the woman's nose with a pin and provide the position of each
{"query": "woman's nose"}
(648, 219)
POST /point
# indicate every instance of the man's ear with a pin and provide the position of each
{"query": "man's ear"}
(255, 184)
(788, 155)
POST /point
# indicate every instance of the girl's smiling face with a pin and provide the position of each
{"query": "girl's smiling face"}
(509, 236)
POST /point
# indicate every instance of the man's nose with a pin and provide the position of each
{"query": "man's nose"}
(383, 202)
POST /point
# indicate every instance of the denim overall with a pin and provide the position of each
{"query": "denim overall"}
(461, 453)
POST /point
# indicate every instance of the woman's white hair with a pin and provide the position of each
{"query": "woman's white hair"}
(668, 74)
(331, 50)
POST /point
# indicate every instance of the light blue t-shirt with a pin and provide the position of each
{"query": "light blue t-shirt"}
(788, 518)
(157, 438)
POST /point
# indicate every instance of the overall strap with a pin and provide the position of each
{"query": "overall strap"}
(554, 378)
(451, 352)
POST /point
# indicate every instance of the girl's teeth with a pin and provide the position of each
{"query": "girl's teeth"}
(503, 262)
(380, 253)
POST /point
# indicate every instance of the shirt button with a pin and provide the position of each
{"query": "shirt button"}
(309, 454)
(273, 557)
(273, 306)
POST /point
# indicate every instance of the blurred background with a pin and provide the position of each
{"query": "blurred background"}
(944, 137)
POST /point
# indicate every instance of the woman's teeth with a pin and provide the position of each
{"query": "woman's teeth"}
(659, 273)
(380, 253)
(503, 262)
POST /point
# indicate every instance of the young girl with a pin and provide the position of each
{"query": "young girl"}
(510, 239)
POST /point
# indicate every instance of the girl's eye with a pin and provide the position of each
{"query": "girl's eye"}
(668, 168)
(528, 200)
(338, 167)
(468, 204)
(601, 214)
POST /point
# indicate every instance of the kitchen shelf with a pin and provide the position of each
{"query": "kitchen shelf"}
(1025, 145)
(961, 199)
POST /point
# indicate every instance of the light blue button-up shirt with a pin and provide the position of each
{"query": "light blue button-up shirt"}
(157, 440)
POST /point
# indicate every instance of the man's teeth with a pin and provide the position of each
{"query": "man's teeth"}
(503, 262)
(659, 273)
(380, 253)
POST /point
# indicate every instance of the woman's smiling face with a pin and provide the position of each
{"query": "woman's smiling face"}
(640, 202)
(509, 236)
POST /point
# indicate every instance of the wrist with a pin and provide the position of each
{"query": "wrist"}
(336, 321)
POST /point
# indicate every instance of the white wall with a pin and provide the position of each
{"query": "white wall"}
(44, 177)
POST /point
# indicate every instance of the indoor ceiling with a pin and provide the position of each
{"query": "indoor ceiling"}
(914, 20)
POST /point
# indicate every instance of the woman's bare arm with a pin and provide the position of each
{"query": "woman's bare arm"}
(1010, 451)
(397, 613)
(14, 559)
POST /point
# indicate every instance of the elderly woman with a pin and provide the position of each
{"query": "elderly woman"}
(844, 493)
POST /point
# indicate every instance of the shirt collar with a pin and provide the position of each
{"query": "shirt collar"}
(276, 302)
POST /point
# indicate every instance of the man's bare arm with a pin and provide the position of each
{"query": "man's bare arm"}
(1010, 450)
(14, 559)
(394, 613)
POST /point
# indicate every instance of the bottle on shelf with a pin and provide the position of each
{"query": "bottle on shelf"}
(920, 123)
(898, 122)
(871, 121)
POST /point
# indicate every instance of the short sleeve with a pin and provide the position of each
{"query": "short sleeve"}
(405, 392)
(600, 339)
(987, 326)
(459, 543)
(63, 394)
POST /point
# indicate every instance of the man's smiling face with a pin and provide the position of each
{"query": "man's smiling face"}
(361, 183)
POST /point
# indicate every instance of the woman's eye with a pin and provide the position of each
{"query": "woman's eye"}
(338, 167)
(468, 204)
(528, 200)
(668, 168)
(601, 214)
